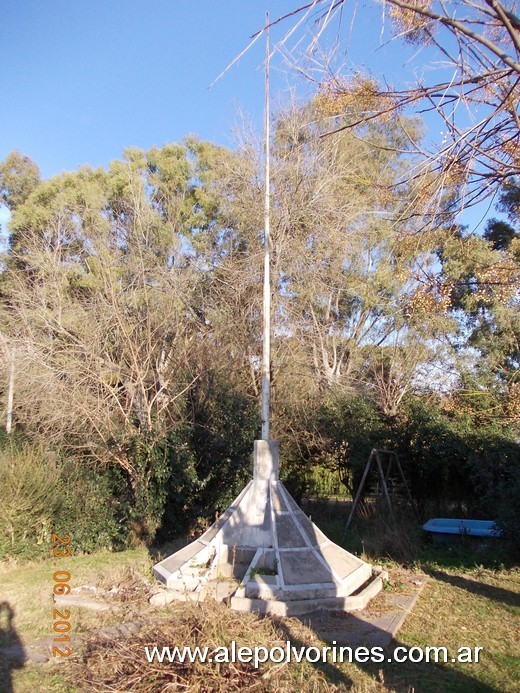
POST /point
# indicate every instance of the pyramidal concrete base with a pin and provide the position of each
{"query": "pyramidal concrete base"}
(274, 558)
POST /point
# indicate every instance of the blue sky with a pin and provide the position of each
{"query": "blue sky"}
(83, 79)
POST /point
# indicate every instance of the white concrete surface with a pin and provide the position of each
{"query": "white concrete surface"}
(283, 563)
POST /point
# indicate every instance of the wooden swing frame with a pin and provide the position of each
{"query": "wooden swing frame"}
(377, 455)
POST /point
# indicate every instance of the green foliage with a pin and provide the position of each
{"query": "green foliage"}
(483, 277)
(148, 484)
(30, 498)
(434, 456)
(209, 460)
(509, 201)
(499, 233)
(42, 495)
(504, 498)
(225, 423)
(342, 431)
(179, 480)
(180, 485)
(131, 297)
(324, 481)
(455, 463)
(95, 509)
(357, 420)
(19, 176)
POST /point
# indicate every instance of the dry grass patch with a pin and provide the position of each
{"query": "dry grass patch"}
(470, 608)
(115, 665)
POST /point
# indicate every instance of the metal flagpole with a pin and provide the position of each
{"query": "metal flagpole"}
(266, 352)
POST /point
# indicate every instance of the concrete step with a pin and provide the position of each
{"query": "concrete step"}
(297, 607)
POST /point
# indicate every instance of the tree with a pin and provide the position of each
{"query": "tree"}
(498, 232)
(393, 372)
(476, 97)
(354, 262)
(103, 293)
(348, 264)
(484, 278)
(19, 176)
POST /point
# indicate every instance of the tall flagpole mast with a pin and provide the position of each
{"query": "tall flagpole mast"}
(266, 353)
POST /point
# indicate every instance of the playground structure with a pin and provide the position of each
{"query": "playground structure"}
(379, 457)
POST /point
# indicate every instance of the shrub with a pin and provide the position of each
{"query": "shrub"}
(94, 508)
(343, 430)
(181, 486)
(31, 495)
(434, 454)
(225, 424)
(454, 464)
(209, 459)
(507, 507)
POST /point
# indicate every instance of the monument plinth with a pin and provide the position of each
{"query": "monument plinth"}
(271, 556)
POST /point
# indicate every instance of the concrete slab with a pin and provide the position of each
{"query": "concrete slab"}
(365, 627)
(288, 533)
(303, 568)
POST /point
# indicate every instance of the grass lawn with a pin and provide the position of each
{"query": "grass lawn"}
(472, 599)
(479, 608)
(28, 588)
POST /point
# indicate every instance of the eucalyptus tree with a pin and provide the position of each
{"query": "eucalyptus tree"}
(483, 277)
(501, 233)
(19, 176)
(103, 289)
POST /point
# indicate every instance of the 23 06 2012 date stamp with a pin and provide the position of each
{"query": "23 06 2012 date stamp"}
(61, 618)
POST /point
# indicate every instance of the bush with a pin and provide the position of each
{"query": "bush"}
(508, 508)
(181, 486)
(454, 464)
(225, 424)
(344, 431)
(94, 508)
(180, 481)
(209, 459)
(434, 454)
(30, 493)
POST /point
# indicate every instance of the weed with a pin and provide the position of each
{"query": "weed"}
(262, 570)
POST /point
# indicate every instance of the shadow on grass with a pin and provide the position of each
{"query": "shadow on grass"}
(10, 648)
(497, 594)
(424, 676)
(329, 670)
(353, 648)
